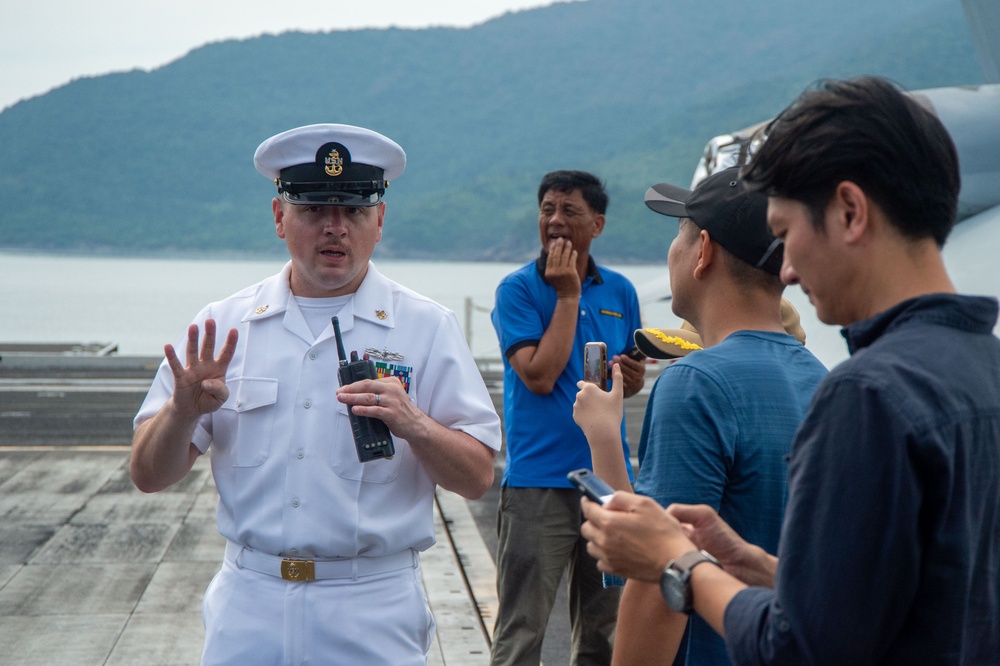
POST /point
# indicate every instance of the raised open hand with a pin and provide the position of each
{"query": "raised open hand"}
(199, 385)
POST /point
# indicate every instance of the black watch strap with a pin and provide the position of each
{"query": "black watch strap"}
(675, 583)
(688, 561)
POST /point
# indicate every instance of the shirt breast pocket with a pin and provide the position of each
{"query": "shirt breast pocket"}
(344, 455)
(243, 426)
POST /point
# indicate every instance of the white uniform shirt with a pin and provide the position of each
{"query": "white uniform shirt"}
(283, 455)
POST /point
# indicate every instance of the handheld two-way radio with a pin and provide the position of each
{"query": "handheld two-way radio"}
(372, 438)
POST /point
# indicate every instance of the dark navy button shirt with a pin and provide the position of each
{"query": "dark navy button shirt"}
(890, 550)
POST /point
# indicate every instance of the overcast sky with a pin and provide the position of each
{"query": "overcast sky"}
(46, 43)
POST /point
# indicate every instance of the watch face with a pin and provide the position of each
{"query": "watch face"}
(673, 590)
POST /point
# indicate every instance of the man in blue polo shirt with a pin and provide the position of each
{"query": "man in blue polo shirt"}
(545, 313)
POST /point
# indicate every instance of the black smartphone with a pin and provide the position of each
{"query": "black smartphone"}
(635, 354)
(595, 364)
(592, 486)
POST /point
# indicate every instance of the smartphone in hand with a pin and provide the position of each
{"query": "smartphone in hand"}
(592, 486)
(595, 364)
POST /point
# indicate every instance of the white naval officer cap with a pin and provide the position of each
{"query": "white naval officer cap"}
(330, 164)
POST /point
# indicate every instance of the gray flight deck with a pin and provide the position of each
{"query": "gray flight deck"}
(92, 571)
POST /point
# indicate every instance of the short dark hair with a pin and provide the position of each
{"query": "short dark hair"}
(750, 278)
(867, 131)
(590, 186)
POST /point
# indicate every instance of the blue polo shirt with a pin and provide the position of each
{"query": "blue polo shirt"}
(718, 430)
(543, 441)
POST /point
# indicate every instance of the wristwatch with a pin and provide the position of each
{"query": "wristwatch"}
(675, 581)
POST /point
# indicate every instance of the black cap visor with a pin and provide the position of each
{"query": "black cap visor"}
(668, 200)
(363, 194)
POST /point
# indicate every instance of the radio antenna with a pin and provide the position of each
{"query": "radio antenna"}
(340, 341)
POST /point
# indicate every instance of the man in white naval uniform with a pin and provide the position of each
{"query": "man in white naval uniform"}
(321, 565)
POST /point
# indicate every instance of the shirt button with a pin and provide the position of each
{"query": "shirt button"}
(583, 312)
(312, 355)
(300, 454)
(295, 503)
(307, 404)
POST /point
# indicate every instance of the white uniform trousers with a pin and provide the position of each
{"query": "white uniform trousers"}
(254, 619)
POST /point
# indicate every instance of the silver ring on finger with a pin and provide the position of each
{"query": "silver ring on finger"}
(378, 400)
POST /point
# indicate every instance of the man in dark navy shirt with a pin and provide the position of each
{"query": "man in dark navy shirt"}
(890, 550)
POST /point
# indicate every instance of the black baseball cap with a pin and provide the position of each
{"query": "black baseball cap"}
(733, 216)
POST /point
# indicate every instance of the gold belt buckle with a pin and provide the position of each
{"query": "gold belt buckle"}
(298, 570)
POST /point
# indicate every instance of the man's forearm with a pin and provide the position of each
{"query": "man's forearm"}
(455, 460)
(540, 367)
(648, 633)
(608, 459)
(162, 451)
(712, 589)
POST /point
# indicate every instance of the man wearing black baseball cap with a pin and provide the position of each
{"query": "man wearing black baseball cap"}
(719, 423)
(721, 205)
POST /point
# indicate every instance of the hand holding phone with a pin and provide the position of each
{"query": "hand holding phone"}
(595, 364)
(592, 486)
(635, 354)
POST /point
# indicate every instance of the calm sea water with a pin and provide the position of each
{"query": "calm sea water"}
(143, 303)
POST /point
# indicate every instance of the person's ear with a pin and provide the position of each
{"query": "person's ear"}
(279, 215)
(380, 213)
(598, 225)
(706, 254)
(853, 211)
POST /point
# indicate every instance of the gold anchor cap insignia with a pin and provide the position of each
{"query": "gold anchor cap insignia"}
(261, 309)
(334, 158)
(334, 164)
(381, 314)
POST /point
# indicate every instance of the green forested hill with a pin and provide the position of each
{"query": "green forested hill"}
(161, 161)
